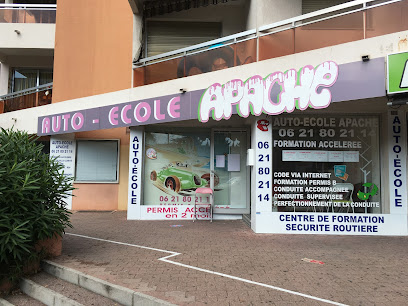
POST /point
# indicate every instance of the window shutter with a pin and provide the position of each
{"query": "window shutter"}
(97, 160)
(166, 36)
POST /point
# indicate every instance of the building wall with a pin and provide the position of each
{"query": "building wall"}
(344, 53)
(105, 196)
(93, 55)
(31, 36)
(93, 48)
(230, 14)
(4, 75)
(263, 12)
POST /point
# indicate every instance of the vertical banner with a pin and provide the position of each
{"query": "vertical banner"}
(263, 162)
(63, 148)
(397, 161)
(135, 173)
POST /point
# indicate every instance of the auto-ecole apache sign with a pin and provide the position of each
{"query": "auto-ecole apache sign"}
(278, 92)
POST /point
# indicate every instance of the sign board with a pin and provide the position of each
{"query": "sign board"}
(397, 73)
(310, 86)
(63, 147)
(135, 173)
(397, 162)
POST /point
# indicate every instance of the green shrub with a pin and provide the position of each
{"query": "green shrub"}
(32, 200)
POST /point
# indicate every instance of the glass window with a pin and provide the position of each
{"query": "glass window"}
(24, 78)
(97, 161)
(165, 36)
(177, 163)
(230, 169)
(45, 77)
(326, 164)
(29, 78)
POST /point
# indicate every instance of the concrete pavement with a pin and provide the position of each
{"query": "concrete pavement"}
(225, 263)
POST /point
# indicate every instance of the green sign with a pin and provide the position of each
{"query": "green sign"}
(397, 73)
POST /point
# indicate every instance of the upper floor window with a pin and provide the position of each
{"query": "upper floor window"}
(166, 36)
(23, 78)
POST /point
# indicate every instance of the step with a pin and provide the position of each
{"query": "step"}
(114, 292)
(17, 297)
(45, 295)
(73, 292)
(247, 219)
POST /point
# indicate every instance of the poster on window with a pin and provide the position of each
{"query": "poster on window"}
(62, 147)
(326, 164)
(176, 164)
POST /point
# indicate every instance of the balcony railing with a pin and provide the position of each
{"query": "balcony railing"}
(28, 13)
(351, 21)
(30, 97)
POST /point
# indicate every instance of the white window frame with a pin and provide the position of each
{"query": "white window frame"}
(117, 162)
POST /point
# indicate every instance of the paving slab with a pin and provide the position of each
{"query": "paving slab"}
(225, 263)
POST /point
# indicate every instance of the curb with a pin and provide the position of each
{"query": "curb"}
(3, 302)
(45, 295)
(114, 292)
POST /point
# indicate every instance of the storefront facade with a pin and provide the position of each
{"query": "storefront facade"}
(309, 151)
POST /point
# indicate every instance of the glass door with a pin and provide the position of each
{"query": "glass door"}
(229, 172)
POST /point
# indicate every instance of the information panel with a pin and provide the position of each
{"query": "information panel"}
(63, 148)
(326, 164)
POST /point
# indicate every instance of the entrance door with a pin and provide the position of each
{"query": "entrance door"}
(229, 172)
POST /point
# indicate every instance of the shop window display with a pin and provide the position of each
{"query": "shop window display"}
(326, 164)
(177, 164)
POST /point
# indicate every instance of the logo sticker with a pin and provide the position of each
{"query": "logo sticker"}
(365, 195)
(262, 125)
(151, 153)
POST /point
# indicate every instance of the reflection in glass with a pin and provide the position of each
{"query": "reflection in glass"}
(231, 191)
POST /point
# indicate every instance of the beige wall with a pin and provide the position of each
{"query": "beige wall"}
(31, 35)
(4, 76)
(93, 48)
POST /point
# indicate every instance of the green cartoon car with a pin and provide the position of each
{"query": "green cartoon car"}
(179, 179)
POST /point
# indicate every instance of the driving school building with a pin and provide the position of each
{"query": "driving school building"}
(308, 143)
(313, 150)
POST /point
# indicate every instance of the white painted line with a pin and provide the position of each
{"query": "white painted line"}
(249, 281)
(127, 244)
(172, 254)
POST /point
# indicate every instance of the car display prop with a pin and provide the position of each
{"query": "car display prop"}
(178, 179)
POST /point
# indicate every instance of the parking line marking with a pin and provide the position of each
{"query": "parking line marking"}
(172, 254)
